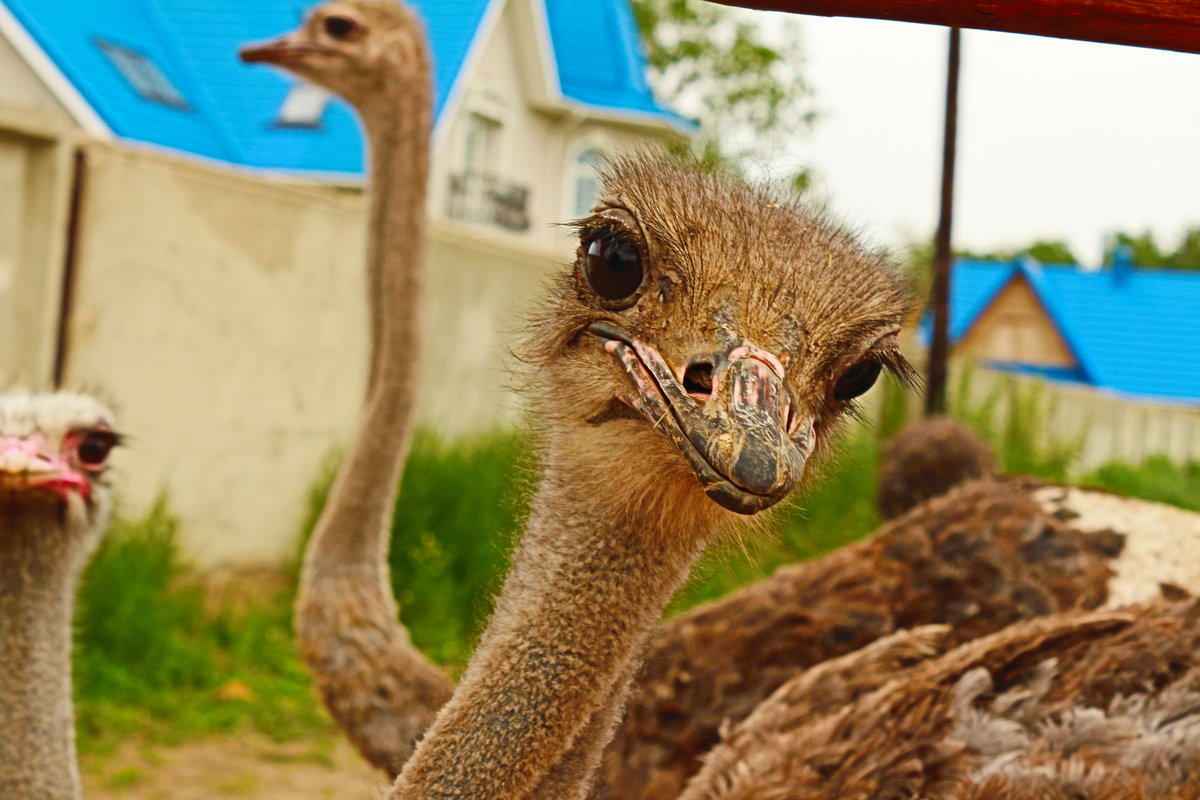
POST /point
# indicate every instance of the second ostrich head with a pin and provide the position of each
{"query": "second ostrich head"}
(717, 331)
(351, 47)
(53, 453)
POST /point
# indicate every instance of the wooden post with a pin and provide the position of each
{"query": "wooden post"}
(939, 346)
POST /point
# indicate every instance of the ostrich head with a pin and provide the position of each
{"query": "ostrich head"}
(349, 47)
(709, 337)
(54, 450)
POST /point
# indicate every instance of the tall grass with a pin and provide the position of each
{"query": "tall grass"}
(1014, 418)
(461, 505)
(156, 654)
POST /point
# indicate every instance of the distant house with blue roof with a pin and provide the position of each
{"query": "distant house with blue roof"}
(1124, 330)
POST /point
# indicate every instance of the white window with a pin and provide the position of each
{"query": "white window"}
(585, 183)
(304, 106)
(482, 145)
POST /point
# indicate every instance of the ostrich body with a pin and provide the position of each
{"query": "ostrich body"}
(984, 557)
(679, 379)
(988, 554)
(53, 507)
(1100, 706)
(377, 686)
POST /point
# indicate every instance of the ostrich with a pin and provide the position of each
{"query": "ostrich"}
(682, 384)
(53, 507)
(635, 369)
(983, 557)
(380, 689)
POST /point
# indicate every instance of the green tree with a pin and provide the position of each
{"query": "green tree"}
(1187, 255)
(1145, 251)
(1148, 253)
(716, 65)
(1047, 251)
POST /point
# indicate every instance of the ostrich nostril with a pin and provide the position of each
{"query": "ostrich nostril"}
(698, 380)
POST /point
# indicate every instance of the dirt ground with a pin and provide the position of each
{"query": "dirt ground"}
(249, 766)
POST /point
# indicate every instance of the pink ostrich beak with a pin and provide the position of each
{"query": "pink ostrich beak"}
(25, 465)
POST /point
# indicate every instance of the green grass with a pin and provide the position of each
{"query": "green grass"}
(154, 656)
(837, 507)
(1014, 418)
(160, 657)
(461, 506)
(1156, 478)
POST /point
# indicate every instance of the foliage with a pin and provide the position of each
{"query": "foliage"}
(1147, 252)
(1014, 418)
(1047, 251)
(714, 64)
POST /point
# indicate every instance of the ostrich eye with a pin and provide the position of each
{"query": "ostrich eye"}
(612, 267)
(340, 27)
(856, 380)
(94, 447)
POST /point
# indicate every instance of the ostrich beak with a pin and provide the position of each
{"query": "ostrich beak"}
(281, 52)
(23, 465)
(745, 450)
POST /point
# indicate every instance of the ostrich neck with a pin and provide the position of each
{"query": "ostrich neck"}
(39, 566)
(353, 531)
(589, 580)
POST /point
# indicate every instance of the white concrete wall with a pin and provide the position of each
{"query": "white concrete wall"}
(224, 318)
(35, 183)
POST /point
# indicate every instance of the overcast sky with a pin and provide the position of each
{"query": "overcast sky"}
(1057, 139)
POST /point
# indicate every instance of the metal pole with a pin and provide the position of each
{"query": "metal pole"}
(939, 347)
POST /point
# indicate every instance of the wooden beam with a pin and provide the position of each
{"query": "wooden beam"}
(1161, 24)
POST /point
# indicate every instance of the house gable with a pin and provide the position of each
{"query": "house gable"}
(1014, 327)
(1131, 333)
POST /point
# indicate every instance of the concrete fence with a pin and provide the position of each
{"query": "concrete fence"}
(1107, 427)
(224, 317)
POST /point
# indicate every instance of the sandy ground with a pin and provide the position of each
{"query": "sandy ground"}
(249, 766)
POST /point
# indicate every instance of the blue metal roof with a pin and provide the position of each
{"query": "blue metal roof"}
(600, 61)
(1135, 334)
(232, 108)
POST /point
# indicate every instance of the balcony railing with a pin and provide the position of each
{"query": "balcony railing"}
(487, 200)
